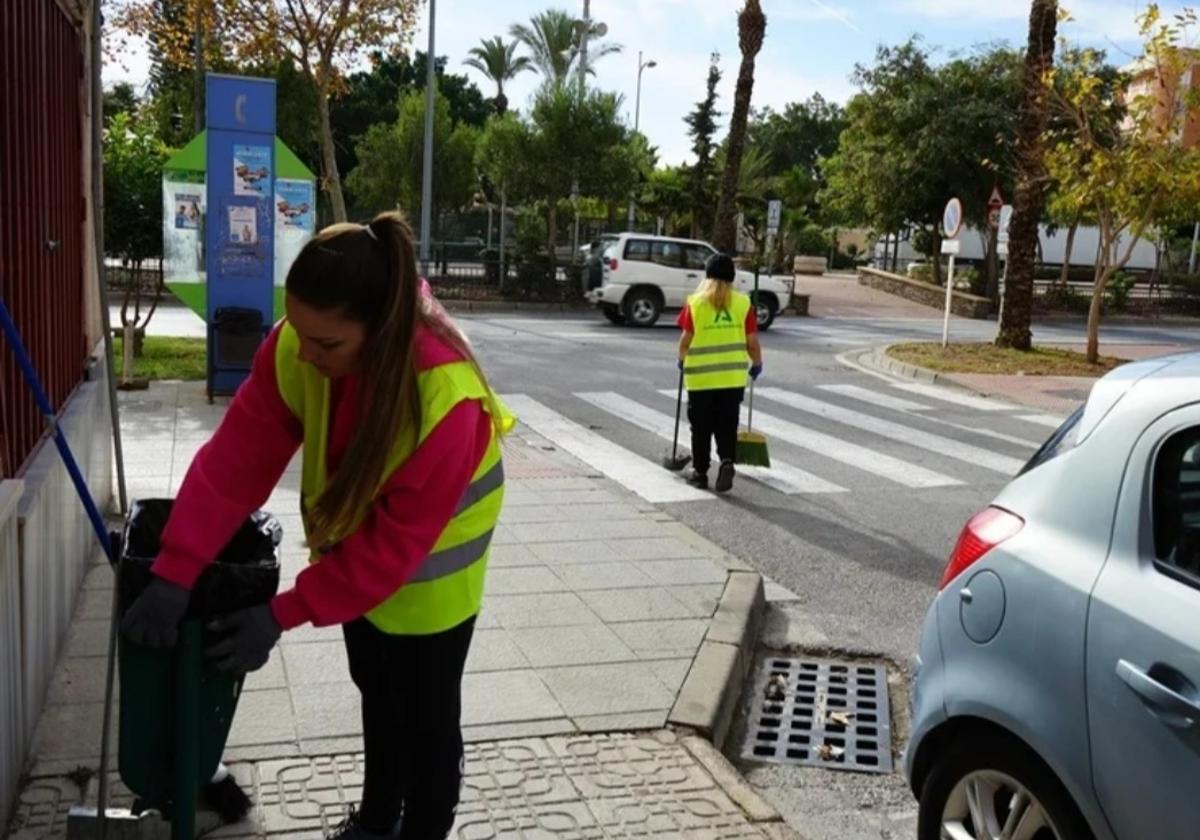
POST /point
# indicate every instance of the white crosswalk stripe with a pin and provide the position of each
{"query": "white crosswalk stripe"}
(857, 392)
(949, 395)
(939, 444)
(1047, 420)
(836, 449)
(640, 475)
(780, 476)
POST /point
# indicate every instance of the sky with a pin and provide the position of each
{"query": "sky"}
(812, 46)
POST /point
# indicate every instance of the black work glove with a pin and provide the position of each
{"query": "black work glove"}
(153, 619)
(247, 638)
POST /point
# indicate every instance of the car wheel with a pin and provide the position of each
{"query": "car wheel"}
(766, 311)
(642, 308)
(613, 313)
(991, 786)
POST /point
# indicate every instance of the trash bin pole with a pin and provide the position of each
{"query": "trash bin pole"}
(188, 662)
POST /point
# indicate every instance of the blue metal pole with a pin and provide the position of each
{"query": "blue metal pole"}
(60, 440)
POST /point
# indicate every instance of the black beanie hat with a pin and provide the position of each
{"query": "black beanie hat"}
(721, 267)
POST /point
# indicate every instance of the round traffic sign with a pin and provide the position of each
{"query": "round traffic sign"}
(952, 218)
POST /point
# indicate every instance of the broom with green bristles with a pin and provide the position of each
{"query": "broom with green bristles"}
(751, 446)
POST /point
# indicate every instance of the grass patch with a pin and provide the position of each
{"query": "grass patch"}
(166, 358)
(988, 358)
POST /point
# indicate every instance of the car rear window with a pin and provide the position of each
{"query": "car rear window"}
(1063, 440)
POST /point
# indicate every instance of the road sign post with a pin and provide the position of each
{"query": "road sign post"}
(1005, 217)
(952, 222)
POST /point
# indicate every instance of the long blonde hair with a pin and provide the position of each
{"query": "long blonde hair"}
(716, 292)
(368, 273)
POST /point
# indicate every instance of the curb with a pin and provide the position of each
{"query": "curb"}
(710, 695)
(758, 812)
(876, 362)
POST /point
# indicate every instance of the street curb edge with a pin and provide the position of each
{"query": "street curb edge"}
(709, 698)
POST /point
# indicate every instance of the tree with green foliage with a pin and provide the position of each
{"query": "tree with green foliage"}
(555, 45)
(918, 135)
(133, 208)
(1133, 173)
(497, 60)
(798, 139)
(752, 30)
(373, 96)
(702, 173)
(121, 98)
(388, 175)
(667, 195)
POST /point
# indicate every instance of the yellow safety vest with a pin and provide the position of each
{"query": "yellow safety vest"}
(448, 586)
(717, 357)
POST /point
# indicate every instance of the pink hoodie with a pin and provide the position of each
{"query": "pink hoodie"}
(235, 472)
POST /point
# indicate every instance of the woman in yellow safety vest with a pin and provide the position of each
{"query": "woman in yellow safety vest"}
(718, 345)
(401, 488)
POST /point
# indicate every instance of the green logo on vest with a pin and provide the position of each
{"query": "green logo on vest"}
(723, 317)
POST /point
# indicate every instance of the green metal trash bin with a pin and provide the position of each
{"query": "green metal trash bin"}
(175, 715)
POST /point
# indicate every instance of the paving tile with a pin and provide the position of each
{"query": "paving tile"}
(547, 647)
(663, 639)
(507, 697)
(531, 513)
(540, 532)
(543, 610)
(307, 634)
(316, 663)
(94, 604)
(654, 604)
(503, 556)
(555, 554)
(327, 710)
(494, 650)
(653, 548)
(684, 572)
(623, 722)
(80, 680)
(672, 672)
(263, 717)
(87, 638)
(298, 796)
(489, 733)
(702, 599)
(584, 576)
(587, 690)
(71, 731)
(522, 580)
(595, 512)
(100, 576)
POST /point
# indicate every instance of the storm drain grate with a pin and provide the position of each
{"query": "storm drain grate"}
(821, 713)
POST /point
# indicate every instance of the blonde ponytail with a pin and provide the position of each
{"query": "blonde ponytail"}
(717, 293)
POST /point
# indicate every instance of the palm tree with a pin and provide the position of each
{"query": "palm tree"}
(554, 43)
(1029, 200)
(752, 29)
(499, 62)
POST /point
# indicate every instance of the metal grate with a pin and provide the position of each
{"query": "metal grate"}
(821, 713)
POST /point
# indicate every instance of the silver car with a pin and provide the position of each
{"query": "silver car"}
(1055, 693)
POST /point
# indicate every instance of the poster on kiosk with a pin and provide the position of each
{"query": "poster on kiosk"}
(240, 234)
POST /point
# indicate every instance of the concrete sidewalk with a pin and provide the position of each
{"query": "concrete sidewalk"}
(597, 605)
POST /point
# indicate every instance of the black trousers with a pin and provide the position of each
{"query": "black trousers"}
(411, 708)
(714, 414)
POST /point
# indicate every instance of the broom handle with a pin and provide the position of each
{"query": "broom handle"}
(750, 420)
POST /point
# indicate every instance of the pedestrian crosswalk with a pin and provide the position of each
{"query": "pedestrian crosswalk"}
(826, 439)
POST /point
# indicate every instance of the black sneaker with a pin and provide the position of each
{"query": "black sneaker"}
(725, 477)
(351, 828)
(699, 479)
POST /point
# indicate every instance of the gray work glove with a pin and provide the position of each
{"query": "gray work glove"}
(153, 619)
(247, 639)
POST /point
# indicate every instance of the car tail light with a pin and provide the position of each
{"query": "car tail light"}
(612, 263)
(986, 530)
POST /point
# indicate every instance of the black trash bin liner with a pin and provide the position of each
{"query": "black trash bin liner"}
(245, 574)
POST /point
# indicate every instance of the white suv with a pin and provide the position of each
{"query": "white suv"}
(644, 275)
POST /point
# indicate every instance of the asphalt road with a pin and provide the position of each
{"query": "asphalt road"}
(882, 479)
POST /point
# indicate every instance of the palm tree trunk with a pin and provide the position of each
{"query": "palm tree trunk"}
(752, 26)
(1030, 198)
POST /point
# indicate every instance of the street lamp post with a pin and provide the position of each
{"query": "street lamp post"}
(637, 123)
(427, 173)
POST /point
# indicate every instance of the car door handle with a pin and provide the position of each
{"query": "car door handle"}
(693, 276)
(1168, 705)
